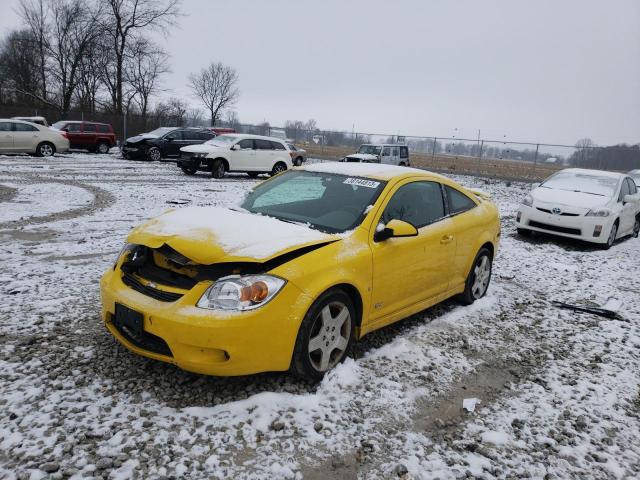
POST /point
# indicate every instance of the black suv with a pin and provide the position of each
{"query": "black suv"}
(164, 142)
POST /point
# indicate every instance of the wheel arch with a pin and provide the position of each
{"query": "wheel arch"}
(227, 167)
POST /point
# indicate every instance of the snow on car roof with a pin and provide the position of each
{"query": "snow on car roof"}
(250, 135)
(374, 170)
(595, 173)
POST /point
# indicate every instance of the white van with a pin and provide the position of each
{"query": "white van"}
(390, 154)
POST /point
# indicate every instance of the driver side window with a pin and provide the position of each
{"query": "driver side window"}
(418, 203)
(246, 144)
(175, 135)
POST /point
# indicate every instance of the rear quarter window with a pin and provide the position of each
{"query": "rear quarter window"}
(103, 128)
(457, 201)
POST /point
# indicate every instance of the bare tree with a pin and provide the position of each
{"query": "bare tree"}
(124, 20)
(33, 15)
(19, 79)
(215, 86)
(145, 65)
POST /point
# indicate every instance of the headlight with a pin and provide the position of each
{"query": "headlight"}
(125, 249)
(241, 292)
(527, 201)
(599, 212)
(200, 155)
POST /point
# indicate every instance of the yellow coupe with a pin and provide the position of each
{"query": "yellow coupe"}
(312, 260)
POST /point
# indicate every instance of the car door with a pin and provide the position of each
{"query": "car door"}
(386, 155)
(89, 134)
(628, 209)
(410, 270)
(6, 137)
(74, 132)
(173, 142)
(243, 160)
(264, 155)
(25, 137)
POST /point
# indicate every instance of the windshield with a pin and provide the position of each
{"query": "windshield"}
(158, 132)
(328, 202)
(582, 182)
(221, 140)
(370, 149)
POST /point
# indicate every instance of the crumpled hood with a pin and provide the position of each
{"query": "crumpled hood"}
(567, 198)
(201, 148)
(209, 235)
(364, 156)
(139, 138)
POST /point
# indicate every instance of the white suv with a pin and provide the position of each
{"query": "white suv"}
(253, 154)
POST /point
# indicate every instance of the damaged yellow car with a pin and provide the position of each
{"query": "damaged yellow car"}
(313, 259)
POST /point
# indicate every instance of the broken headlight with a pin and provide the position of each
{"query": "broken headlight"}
(241, 293)
(125, 249)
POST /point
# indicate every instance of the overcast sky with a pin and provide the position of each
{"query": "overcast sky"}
(543, 70)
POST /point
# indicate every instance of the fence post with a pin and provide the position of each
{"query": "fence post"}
(535, 161)
(480, 156)
(433, 151)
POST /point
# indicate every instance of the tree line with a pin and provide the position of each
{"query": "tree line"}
(98, 56)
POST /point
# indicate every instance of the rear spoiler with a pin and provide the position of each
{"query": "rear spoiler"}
(479, 193)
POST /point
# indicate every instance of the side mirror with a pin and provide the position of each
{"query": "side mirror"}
(235, 147)
(396, 229)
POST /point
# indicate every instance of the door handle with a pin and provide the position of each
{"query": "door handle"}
(446, 239)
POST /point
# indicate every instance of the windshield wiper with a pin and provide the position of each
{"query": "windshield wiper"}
(590, 193)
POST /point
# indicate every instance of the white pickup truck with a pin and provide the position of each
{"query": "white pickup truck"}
(391, 154)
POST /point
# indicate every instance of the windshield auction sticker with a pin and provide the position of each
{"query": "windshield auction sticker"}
(361, 182)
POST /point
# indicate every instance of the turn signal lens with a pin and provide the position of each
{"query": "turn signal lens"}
(256, 292)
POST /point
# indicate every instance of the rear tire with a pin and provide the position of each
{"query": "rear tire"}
(298, 161)
(46, 149)
(278, 168)
(102, 148)
(218, 168)
(325, 335)
(478, 279)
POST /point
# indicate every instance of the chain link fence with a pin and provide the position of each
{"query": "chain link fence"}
(499, 159)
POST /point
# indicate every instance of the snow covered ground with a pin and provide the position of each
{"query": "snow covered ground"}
(558, 391)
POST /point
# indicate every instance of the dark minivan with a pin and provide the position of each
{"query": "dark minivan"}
(92, 136)
(164, 142)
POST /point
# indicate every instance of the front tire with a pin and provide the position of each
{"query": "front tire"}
(325, 335)
(636, 227)
(217, 168)
(478, 279)
(45, 149)
(611, 239)
(154, 154)
(278, 168)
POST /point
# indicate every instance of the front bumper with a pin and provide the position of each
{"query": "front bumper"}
(131, 151)
(189, 161)
(579, 227)
(207, 341)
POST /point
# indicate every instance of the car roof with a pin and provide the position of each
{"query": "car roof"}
(378, 171)
(589, 171)
(249, 135)
(19, 121)
(82, 121)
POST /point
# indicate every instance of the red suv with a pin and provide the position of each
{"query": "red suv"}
(92, 136)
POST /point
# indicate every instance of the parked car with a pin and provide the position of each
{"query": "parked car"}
(221, 130)
(635, 176)
(92, 136)
(390, 154)
(314, 259)
(299, 155)
(39, 120)
(253, 154)
(18, 136)
(164, 142)
(590, 205)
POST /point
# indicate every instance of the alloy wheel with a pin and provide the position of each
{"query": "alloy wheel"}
(46, 150)
(103, 148)
(154, 154)
(329, 336)
(612, 235)
(279, 168)
(482, 274)
(636, 227)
